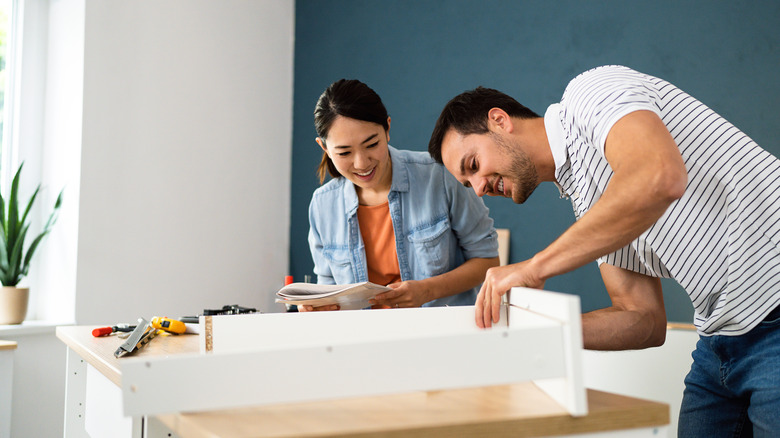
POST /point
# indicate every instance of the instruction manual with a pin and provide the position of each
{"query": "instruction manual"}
(348, 296)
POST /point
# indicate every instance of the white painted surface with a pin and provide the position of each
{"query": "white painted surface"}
(39, 384)
(643, 432)
(103, 413)
(232, 333)
(6, 389)
(75, 396)
(186, 157)
(565, 309)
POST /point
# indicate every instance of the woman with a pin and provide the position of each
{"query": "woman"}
(389, 216)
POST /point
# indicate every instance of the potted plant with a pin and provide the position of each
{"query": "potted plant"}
(14, 259)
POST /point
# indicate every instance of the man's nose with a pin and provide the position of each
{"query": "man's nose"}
(479, 184)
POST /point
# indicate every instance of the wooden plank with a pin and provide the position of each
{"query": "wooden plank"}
(7, 345)
(680, 326)
(518, 410)
(503, 246)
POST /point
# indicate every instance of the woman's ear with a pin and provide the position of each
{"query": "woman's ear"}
(387, 132)
(322, 145)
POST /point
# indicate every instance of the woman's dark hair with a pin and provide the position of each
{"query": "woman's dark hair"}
(347, 98)
(467, 113)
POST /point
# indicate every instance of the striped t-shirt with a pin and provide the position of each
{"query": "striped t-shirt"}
(721, 240)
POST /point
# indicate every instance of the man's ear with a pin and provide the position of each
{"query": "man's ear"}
(499, 119)
(322, 144)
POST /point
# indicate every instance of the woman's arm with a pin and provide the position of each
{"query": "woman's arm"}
(415, 293)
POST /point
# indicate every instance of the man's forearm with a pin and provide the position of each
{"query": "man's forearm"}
(613, 329)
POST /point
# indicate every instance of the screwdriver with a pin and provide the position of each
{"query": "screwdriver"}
(105, 331)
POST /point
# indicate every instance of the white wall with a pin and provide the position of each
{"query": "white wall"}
(184, 142)
(186, 157)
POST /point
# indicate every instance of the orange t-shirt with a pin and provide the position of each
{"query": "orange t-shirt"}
(376, 228)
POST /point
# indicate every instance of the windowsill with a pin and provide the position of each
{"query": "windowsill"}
(30, 328)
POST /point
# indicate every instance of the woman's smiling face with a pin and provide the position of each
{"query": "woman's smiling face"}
(359, 151)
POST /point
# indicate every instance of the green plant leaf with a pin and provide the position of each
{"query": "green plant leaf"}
(30, 251)
(14, 260)
(53, 216)
(3, 252)
(30, 204)
(13, 211)
(2, 215)
(49, 223)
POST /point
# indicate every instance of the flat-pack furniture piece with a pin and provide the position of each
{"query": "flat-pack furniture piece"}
(260, 359)
(339, 374)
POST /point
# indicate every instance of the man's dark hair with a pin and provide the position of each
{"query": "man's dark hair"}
(347, 98)
(467, 113)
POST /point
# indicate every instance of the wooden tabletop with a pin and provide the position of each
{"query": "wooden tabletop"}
(517, 410)
(99, 352)
(7, 345)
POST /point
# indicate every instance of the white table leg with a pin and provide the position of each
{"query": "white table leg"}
(6, 385)
(75, 396)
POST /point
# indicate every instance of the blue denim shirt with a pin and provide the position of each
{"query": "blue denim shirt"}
(438, 224)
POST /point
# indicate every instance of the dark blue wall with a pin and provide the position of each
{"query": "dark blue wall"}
(419, 54)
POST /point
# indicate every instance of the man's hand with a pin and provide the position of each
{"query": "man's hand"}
(498, 281)
(411, 293)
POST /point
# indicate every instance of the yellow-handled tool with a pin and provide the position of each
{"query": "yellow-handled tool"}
(168, 324)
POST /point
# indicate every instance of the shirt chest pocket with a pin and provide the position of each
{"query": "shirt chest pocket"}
(340, 264)
(431, 248)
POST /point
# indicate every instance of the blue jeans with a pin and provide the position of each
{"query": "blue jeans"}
(733, 388)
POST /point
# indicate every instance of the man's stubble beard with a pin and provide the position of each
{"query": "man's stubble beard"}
(521, 171)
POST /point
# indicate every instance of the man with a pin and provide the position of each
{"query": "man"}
(661, 186)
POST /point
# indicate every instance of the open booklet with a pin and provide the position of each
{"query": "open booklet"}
(348, 296)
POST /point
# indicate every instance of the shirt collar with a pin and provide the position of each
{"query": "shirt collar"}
(400, 181)
(555, 135)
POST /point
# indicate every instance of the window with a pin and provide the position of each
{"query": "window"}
(43, 52)
(6, 36)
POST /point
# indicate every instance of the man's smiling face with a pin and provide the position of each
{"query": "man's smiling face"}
(490, 163)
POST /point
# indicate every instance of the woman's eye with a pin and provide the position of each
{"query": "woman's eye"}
(473, 166)
(372, 145)
(343, 154)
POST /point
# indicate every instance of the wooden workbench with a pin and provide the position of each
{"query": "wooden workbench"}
(517, 410)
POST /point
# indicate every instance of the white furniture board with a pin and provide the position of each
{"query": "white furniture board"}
(567, 390)
(232, 333)
(280, 358)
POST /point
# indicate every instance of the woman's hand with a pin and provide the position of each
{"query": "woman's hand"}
(307, 308)
(411, 293)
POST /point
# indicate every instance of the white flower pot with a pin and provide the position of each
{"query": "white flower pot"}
(13, 304)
